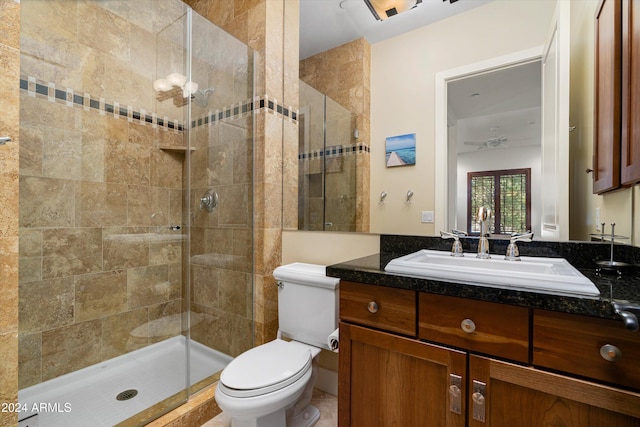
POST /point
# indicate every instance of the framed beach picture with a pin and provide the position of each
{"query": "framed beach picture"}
(401, 150)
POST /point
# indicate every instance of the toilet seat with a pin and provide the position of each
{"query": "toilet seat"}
(266, 368)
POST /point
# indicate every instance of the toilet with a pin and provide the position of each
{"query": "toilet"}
(271, 385)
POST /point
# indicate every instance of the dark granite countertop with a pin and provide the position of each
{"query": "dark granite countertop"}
(613, 287)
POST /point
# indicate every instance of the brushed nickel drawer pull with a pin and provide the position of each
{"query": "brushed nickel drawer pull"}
(468, 326)
(610, 353)
(455, 393)
(372, 307)
(479, 401)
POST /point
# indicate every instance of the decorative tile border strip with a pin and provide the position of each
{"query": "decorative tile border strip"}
(244, 108)
(335, 151)
(71, 98)
(49, 91)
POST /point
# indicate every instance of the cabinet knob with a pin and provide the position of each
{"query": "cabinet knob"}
(468, 326)
(610, 353)
(372, 307)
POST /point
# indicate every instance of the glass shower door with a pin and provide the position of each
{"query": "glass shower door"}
(220, 201)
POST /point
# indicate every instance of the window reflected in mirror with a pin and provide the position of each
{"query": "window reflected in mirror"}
(507, 193)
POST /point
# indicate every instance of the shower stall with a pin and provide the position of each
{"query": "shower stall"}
(136, 208)
(327, 164)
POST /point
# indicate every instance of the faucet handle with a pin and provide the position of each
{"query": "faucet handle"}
(513, 254)
(527, 236)
(456, 248)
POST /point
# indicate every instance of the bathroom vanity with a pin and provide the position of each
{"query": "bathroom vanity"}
(423, 352)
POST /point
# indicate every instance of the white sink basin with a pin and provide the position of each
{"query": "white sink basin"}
(546, 275)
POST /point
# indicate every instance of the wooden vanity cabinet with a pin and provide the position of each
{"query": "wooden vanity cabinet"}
(441, 373)
(386, 375)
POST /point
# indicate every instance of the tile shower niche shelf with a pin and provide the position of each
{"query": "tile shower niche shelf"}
(176, 149)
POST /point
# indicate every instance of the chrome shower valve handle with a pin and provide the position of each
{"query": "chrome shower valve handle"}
(209, 201)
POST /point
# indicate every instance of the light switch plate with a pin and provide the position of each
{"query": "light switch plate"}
(427, 216)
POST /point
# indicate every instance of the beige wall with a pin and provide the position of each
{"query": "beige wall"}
(326, 248)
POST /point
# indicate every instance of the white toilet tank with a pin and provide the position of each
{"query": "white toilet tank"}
(307, 303)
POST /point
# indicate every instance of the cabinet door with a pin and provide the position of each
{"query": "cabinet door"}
(608, 78)
(526, 397)
(387, 380)
(630, 92)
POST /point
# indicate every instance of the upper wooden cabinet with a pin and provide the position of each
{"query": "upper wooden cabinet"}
(608, 92)
(616, 151)
(630, 165)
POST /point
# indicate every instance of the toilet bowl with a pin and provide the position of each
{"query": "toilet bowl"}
(271, 385)
(263, 386)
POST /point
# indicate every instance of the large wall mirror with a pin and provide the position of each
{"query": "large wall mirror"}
(492, 122)
(494, 137)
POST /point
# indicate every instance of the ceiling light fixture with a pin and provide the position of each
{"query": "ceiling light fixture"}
(383, 9)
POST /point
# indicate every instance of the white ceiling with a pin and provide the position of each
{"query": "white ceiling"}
(325, 24)
(501, 104)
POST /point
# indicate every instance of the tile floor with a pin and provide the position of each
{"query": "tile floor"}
(325, 402)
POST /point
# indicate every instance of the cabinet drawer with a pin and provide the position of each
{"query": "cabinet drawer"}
(380, 307)
(596, 348)
(485, 327)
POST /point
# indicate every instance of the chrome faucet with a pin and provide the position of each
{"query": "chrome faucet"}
(513, 254)
(456, 249)
(484, 215)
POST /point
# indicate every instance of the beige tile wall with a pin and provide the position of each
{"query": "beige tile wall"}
(93, 188)
(9, 126)
(344, 74)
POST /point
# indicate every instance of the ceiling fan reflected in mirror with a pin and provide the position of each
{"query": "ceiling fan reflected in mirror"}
(493, 142)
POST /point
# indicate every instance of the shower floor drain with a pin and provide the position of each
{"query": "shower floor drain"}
(127, 394)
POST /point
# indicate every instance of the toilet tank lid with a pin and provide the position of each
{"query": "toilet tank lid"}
(307, 274)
